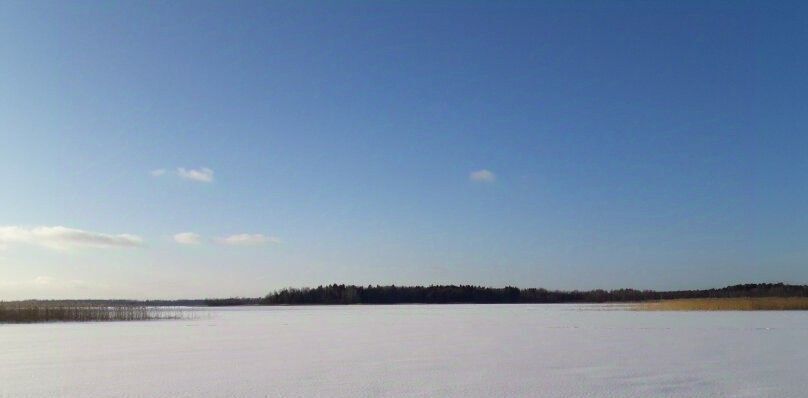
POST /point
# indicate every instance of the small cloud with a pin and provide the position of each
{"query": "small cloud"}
(248, 240)
(483, 175)
(43, 280)
(63, 238)
(157, 172)
(187, 238)
(199, 175)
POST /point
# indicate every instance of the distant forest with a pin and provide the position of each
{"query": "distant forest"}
(449, 294)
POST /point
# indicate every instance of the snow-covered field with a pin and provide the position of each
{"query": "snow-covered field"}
(414, 350)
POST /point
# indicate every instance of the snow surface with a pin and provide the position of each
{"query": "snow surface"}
(414, 350)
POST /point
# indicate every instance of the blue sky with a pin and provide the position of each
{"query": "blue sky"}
(615, 144)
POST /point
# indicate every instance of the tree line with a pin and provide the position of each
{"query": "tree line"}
(447, 294)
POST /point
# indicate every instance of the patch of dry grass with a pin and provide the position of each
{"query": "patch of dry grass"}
(727, 304)
(37, 311)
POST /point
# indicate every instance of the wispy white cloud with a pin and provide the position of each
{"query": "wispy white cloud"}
(43, 280)
(203, 174)
(248, 240)
(187, 238)
(63, 238)
(157, 172)
(483, 175)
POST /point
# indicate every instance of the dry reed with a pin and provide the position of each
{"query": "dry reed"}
(727, 304)
(42, 311)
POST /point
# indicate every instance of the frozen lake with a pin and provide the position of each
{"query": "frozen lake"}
(414, 350)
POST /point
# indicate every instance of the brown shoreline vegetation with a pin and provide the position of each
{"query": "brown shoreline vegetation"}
(44, 311)
(727, 304)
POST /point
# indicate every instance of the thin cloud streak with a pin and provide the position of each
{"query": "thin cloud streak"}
(64, 238)
(248, 240)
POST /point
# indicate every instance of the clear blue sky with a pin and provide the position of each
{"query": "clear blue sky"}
(557, 144)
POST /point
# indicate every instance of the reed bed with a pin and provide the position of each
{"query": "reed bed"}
(30, 312)
(727, 304)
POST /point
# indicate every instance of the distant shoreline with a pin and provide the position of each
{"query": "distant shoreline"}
(336, 294)
(748, 297)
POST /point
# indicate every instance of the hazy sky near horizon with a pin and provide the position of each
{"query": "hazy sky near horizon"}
(193, 148)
